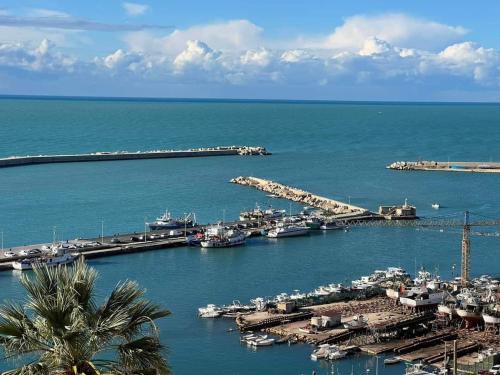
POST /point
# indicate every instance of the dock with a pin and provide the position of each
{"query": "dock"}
(339, 210)
(448, 166)
(14, 161)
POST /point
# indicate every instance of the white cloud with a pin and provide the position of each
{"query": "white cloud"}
(39, 58)
(196, 54)
(41, 12)
(395, 28)
(135, 9)
(234, 35)
(261, 57)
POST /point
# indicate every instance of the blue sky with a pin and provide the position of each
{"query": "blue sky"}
(342, 50)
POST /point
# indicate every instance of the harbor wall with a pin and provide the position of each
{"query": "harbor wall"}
(124, 155)
(448, 166)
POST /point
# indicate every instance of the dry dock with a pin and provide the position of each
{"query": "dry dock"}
(449, 166)
(341, 210)
(14, 161)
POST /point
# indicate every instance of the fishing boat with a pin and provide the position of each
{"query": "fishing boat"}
(314, 223)
(166, 222)
(219, 236)
(259, 214)
(336, 353)
(61, 257)
(210, 311)
(332, 225)
(417, 297)
(322, 352)
(287, 230)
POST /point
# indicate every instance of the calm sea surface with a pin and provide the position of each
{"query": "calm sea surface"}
(335, 149)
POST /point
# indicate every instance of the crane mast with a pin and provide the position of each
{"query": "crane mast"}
(465, 251)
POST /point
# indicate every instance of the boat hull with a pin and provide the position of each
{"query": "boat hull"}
(23, 266)
(287, 234)
(215, 244)
(491, 319)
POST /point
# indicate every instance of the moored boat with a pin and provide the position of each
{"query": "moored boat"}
(288, 230)
(210, 311)
(332, 225)
(61, 257)
(166, 222)
(219, 236)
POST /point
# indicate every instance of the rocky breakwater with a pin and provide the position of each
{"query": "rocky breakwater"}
(297, 195)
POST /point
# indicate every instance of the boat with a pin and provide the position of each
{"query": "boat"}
(470, 309)
(61, 257)
(237, 307)
(332, 225)
(272, 196)
(210, 311)
(336, 353)
(436, 206)
(321, 352)
(297, 295)
(259, 214)
(491, 315)
(262, 342)
(357, 323)
(166, 222)
(417, 297)
(417, 369)
(314, 223)
(391, 361)
(219, 236)
(287, 230)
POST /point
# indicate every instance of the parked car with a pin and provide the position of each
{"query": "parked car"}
(115, 240)
(495, 370)
(34, 252)
(9, 254)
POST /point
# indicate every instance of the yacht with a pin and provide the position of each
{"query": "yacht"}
(436, 206)
(166, 222)
(219, 236)
(210, 311)
(322, 352)
(289, 230)
(60, 258)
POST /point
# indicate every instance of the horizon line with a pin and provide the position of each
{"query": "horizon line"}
(235, 100)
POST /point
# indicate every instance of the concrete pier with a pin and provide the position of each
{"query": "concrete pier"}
(341, 210)
(14, 161)
(448, 166)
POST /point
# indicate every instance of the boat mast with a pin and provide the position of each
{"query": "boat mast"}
(465, 251)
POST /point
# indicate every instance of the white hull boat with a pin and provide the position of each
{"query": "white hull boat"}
(49, 261)
(288, 231)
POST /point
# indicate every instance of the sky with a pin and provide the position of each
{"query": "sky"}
(406, 50)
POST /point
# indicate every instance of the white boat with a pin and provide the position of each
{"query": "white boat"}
(210, 311)
(60, 258)
(470, 309)
(421, 296)
(491, 316)
(332, 225)
(336, 353)
(321, 353)
(288, 230)
(263, 342)
(297, 295)
(218, 236)
(358, 322)
(417, 369)
(436, 206)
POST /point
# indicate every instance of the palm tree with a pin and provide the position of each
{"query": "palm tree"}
(61, 330)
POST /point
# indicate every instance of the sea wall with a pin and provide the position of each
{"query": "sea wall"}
(126, 155)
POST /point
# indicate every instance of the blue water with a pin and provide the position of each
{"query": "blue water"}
(335, 149)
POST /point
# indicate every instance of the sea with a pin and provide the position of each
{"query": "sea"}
(336, 149)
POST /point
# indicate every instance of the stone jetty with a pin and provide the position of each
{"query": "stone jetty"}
(297, 195)
(14, 161)
(448, 166)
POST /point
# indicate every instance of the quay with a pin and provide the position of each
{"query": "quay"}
(339, 210)
(14, 161)
(449, 166)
